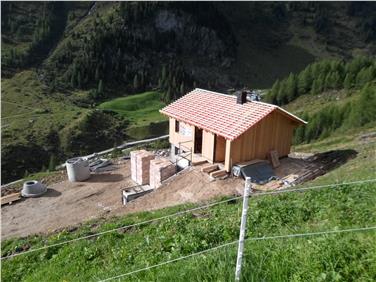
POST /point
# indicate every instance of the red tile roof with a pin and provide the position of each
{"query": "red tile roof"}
(219, 113)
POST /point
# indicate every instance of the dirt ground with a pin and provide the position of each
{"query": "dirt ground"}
(68, 204)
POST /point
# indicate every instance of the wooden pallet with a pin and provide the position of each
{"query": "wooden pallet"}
(9, 199)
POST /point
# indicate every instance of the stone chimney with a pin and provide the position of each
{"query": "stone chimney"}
(241, 97)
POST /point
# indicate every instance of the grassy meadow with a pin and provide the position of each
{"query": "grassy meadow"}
(141, 109)
(338, 257)
(27, 107)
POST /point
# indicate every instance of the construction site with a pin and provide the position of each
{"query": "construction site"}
(193, 170)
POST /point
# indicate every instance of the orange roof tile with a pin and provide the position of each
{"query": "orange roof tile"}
(219, 113)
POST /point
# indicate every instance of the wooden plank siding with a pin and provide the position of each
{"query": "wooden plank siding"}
(274, 132)
(220, 148)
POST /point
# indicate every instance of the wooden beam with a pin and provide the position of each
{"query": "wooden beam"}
(10, 198)
(228, 158)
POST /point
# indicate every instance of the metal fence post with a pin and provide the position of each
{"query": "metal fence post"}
(243, 224)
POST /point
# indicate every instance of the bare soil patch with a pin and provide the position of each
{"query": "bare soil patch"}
(68, 204)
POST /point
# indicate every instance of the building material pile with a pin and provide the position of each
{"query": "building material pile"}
(9, 199)
(131, 193)
(321, 163)
(140, 166)
(274, 159)
(160, 170)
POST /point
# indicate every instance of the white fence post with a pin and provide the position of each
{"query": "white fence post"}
(243, 224)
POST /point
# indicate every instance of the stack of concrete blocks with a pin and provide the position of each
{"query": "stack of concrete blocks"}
(140, 166)
(160, 170)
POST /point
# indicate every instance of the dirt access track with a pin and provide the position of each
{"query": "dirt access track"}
(67, 204)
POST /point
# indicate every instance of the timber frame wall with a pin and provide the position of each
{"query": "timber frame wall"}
(273, 132)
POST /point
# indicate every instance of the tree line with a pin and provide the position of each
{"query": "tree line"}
(125, 48)
(49, 23)
(353, 114)
(323, 76)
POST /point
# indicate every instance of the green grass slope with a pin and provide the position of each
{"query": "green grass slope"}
(140, 109)
(27, 107)
(343, 257)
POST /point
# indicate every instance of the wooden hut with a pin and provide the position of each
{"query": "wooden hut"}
(228, 128)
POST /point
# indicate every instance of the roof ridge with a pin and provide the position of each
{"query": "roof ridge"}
(214, 92)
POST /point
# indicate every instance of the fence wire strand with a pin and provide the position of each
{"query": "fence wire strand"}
(188, 211)
(296, 235)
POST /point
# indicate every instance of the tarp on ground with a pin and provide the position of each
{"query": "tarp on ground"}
(260, 173)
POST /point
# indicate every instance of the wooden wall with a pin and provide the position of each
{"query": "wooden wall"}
(208, 145)
(220, 148)
(176, 137)
(274, 132)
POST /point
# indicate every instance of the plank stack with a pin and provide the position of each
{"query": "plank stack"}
(140, 166)
(321, 163)
(160, 170)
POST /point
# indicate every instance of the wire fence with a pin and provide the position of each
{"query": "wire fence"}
(288, 236)
(302, 189)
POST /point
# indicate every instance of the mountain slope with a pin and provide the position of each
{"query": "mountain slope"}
(78, 55)
(218, 44)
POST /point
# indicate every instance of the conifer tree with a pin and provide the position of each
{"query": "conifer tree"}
(52, 163)
(168, 95)
(97, 73)
(136, 83)
(291, 87)
(281, 96)
(315, 87)
(79, 79)
(182, 88)
(272, 95)
(365, 75)
(336, 80)
(348, 82)
(327, 81)
(163, 73)
(100, 88)
(305, 80)
(367, 104)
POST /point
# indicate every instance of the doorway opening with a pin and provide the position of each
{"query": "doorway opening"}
(198, 141)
